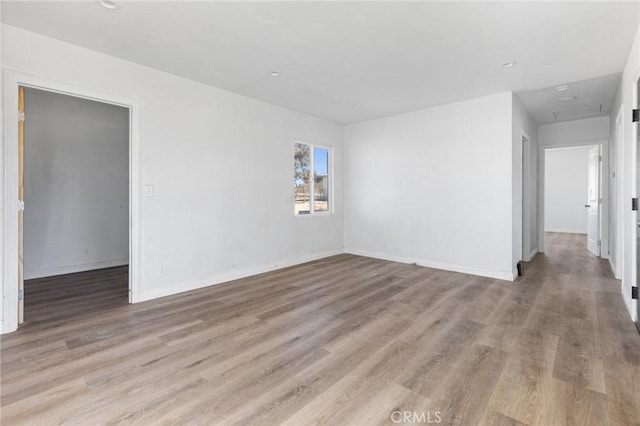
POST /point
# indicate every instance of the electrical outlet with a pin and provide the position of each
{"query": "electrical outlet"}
(163, 271)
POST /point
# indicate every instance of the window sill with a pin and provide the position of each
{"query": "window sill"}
(317, 214)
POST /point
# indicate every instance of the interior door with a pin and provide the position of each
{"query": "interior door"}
(593, 205)
(21, 209)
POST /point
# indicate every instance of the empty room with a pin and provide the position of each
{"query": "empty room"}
(337, 213)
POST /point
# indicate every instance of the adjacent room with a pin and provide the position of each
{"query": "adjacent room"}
(76, 184)
(340, 213)
(572, 191)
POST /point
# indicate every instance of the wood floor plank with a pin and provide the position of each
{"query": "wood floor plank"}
(469, 387)
(342, 340)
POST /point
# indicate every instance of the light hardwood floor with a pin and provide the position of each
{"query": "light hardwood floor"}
(341, 341)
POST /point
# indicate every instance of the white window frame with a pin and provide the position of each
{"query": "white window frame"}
(312, 210)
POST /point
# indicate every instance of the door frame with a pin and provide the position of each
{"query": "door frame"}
(617, 209)
(635, 141)
(527, 252)
(9, 211)
(603, 226)
(597, 199)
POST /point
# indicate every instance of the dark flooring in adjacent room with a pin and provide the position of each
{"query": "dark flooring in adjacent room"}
(345, 340)
(71, 295)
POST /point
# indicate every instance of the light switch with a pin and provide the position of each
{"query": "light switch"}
(147, 190)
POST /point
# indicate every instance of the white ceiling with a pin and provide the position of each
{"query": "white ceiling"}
(582, 99)
(387, 57)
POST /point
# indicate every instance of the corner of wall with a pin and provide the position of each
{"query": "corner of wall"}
(525, 222)
(627, 155)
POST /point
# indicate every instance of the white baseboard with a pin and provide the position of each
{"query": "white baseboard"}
(567, 231)
(501, 275)
(70, 269)
(223, 278)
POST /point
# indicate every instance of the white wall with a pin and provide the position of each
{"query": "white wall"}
(221, 166)
(525, 167)
(434, 187)
(2, 180)
(566, 189)
(628, 100)
(615, 186)
(76, 184)
(589, 129)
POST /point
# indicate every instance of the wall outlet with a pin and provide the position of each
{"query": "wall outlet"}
(163, 271)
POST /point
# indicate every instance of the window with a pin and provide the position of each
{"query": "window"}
(311, 180)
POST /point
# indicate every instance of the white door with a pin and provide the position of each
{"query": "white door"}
(593, 204)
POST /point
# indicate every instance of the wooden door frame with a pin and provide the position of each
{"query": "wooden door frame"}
(9, 202)
(604, 178)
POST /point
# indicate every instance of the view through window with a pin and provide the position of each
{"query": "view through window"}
(311, 180)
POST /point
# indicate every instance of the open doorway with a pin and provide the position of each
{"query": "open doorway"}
(572, 196)
(10, 271)
(76, 197)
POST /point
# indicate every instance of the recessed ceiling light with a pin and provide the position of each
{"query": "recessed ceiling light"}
(567, 99)
(108, 4)
(562, 88)
(274, 73)
(509, 64)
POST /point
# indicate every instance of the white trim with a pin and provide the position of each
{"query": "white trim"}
(525, 140)
(72, 269)
(632, 305)
(573, 144)
(235, 275)
(619, 208)
(9, 229)
(531, 255)
(453, 267)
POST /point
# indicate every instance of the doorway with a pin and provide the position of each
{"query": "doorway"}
(75, 178)
(572, 194)
(13, 80)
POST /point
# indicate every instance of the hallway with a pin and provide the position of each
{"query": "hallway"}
(592, 367)
(343, 340)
